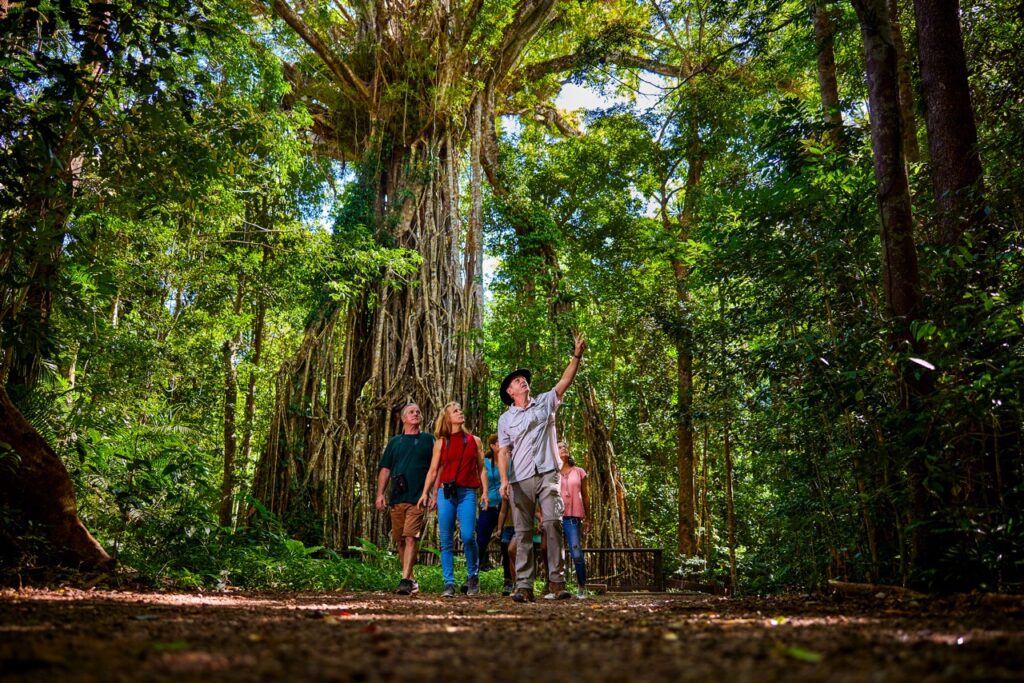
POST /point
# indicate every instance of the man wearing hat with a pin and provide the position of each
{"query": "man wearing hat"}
(527, 440)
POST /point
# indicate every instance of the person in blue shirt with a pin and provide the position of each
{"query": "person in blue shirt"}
(487, 522)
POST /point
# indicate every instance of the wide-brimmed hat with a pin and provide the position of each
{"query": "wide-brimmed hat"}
(503, 393)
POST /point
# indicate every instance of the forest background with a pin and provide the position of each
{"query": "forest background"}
(237, 235)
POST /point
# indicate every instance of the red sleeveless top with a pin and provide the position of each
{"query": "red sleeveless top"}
(460, 460)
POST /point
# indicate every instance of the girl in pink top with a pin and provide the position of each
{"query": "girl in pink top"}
(576, 519)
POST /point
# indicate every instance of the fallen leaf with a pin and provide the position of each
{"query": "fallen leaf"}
(801, 654)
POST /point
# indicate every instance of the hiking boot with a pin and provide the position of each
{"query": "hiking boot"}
(404, 587)
(449, 591)
(523, 595)
(556, 591)
(473, 585)
(506, 590)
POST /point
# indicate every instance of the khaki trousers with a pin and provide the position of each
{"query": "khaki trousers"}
(546, 490)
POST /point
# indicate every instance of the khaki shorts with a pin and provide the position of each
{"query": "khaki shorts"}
(406, 520)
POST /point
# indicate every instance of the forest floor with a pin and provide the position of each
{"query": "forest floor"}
(71, 635)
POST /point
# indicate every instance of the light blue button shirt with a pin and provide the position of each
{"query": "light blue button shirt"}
(530, 434)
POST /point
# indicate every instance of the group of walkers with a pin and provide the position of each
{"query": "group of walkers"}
(525, 477)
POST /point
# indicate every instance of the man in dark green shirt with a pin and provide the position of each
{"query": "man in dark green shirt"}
(405, 461)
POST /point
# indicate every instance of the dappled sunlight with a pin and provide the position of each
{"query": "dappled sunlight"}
(380, 636)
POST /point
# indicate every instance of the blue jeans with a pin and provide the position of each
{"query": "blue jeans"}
(463, 507)
(574, 542)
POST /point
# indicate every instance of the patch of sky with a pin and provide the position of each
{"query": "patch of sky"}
(320, 213)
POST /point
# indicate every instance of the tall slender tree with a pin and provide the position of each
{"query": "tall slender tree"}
(954, 160)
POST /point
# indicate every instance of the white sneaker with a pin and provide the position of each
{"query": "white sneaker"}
(581, 593)
(550, 596)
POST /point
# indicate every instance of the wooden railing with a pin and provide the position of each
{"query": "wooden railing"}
(624, 569)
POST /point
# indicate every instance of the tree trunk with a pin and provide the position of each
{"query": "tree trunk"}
(899, 266)
(730, 510)
(828, 86)
(35, 486)
(250, 392)
(338, 396)
(908, 121)
(706, 519)
(680, 229)
(610, 522)
(230, 441)
(949, 118)
(281, 482)
(228, 351)
(477, 394)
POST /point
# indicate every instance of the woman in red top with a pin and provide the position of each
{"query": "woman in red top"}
(457, 468)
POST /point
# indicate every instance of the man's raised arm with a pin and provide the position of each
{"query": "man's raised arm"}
(574, 365)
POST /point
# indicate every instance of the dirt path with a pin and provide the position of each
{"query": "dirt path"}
(72, 635)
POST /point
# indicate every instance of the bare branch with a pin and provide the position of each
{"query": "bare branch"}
(616, 57)
(489, 145)
(548, 115)
(344, 12)
(342, 71)
(683, 71)
(531, 16)
(467, 24)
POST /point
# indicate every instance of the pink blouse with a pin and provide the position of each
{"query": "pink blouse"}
(572, 492)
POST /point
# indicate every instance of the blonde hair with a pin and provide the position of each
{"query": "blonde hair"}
(443, 424)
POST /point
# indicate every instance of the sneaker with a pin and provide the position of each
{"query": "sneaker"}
(414, 589)
(556, 591)
(405, 587)
(473, 585)
(581, 593)
(523, 595)
(449, 591)
(506, 590)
